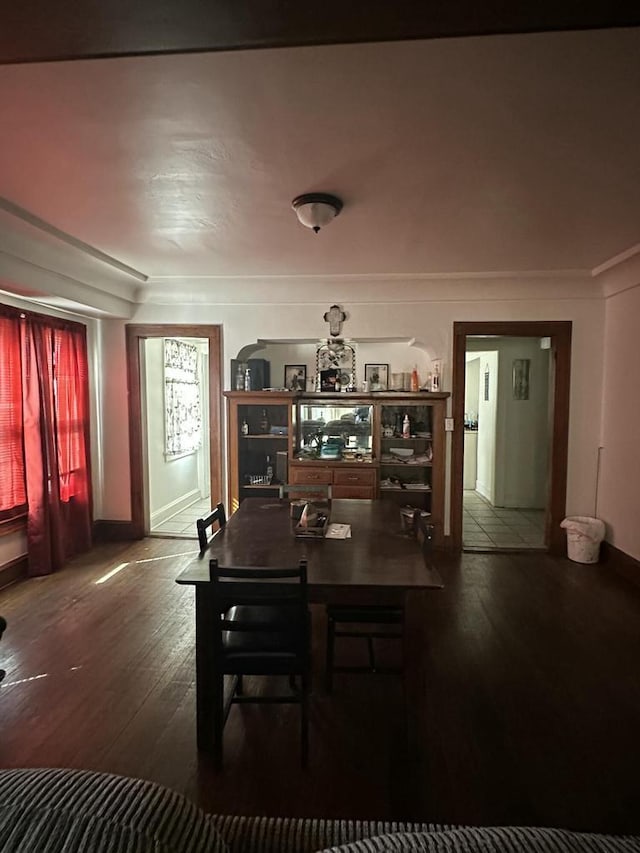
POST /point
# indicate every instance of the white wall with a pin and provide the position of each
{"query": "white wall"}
(472, 383)
(487, 425)
(424, 310)
(523, 428)
(421, 310)
(618, 502)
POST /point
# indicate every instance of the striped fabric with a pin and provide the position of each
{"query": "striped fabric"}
(506, 839)
(298, 835)
(81, 810)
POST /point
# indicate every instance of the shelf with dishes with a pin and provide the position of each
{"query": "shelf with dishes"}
(365, 446)
(406, 457)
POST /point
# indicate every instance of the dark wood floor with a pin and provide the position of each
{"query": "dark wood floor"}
(524, 703)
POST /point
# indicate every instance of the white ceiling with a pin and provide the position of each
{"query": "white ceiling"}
(483, 154)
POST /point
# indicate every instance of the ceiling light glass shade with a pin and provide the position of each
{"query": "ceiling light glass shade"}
(315, 210)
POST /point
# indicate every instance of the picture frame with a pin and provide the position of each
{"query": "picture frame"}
(520, 378)
(377, 375)
(328, 379)
(295, 377)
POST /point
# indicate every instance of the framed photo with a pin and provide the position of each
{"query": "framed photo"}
(295, 377)
(377, 375)
(521, 368)
(328, 379)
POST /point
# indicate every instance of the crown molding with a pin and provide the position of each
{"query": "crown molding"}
(621, 276)
(37, 284)
(35, 223)
(368, 289)
(620, 258)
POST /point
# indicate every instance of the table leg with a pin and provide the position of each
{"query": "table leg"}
(204, 668)
(413, 651)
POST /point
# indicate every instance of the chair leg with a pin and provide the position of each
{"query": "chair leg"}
(331, 628)
(239, 685)
(304, 720)
(218, 721)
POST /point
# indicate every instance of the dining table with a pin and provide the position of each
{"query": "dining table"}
(379, 563)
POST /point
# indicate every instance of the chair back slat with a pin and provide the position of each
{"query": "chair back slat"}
(305, 490)
(204, 526)
(282, 591)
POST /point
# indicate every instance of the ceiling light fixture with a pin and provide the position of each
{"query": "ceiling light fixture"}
(315, 210)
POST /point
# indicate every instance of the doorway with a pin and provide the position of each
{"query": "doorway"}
(506, 443)
(155, 504)
(495, 477)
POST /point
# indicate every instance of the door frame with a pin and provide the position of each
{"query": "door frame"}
(135, 334)
(559, 333)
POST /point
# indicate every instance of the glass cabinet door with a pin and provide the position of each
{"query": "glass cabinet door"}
(263, 433)
(406, 453)
(334, 430)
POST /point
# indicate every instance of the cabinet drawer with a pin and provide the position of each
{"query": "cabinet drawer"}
(362, 492)
(354, 477)
(298, 476)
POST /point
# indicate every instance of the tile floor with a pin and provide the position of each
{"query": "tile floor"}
(487, 527)
(182, 525)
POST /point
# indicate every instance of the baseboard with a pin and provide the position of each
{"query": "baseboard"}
(105, 530)
(173, 508)
(623, 564)
(14, 570)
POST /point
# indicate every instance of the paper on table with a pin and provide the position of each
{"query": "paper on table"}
(338, 531)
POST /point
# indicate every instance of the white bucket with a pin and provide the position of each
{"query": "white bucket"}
(584, 536)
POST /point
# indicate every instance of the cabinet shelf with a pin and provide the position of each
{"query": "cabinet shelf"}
(406, 489)
(263, 436)
(400, 438)
(406, 465)
(272, 486)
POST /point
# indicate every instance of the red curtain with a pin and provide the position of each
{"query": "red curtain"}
(13, 496)
(56, 446)
(44, 434)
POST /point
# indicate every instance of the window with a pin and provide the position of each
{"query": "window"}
(43, 382)
(70, 407)
(183, 418)
(13, 497)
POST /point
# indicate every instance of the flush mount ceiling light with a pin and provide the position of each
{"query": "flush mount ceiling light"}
(315, 210)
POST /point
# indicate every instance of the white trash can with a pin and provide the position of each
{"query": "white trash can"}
(584, 535)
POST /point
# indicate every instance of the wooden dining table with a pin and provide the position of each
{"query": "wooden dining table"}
(379, 564)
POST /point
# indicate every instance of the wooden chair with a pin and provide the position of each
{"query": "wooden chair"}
(424, 531)
(204, 526)
(263, 629)
(305, 490)
(369, 622)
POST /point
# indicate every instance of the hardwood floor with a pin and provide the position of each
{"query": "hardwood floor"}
(523, 701)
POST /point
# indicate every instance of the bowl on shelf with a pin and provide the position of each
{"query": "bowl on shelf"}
(401, 452)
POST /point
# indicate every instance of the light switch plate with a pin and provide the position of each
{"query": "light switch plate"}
(448, 424)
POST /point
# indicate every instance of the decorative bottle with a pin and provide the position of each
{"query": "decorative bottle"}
(406, 427)
(269, 470)
(247, 379)
(435, 379)
(239, 378)
(264, 422)
(244, 428)
(415, 382)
